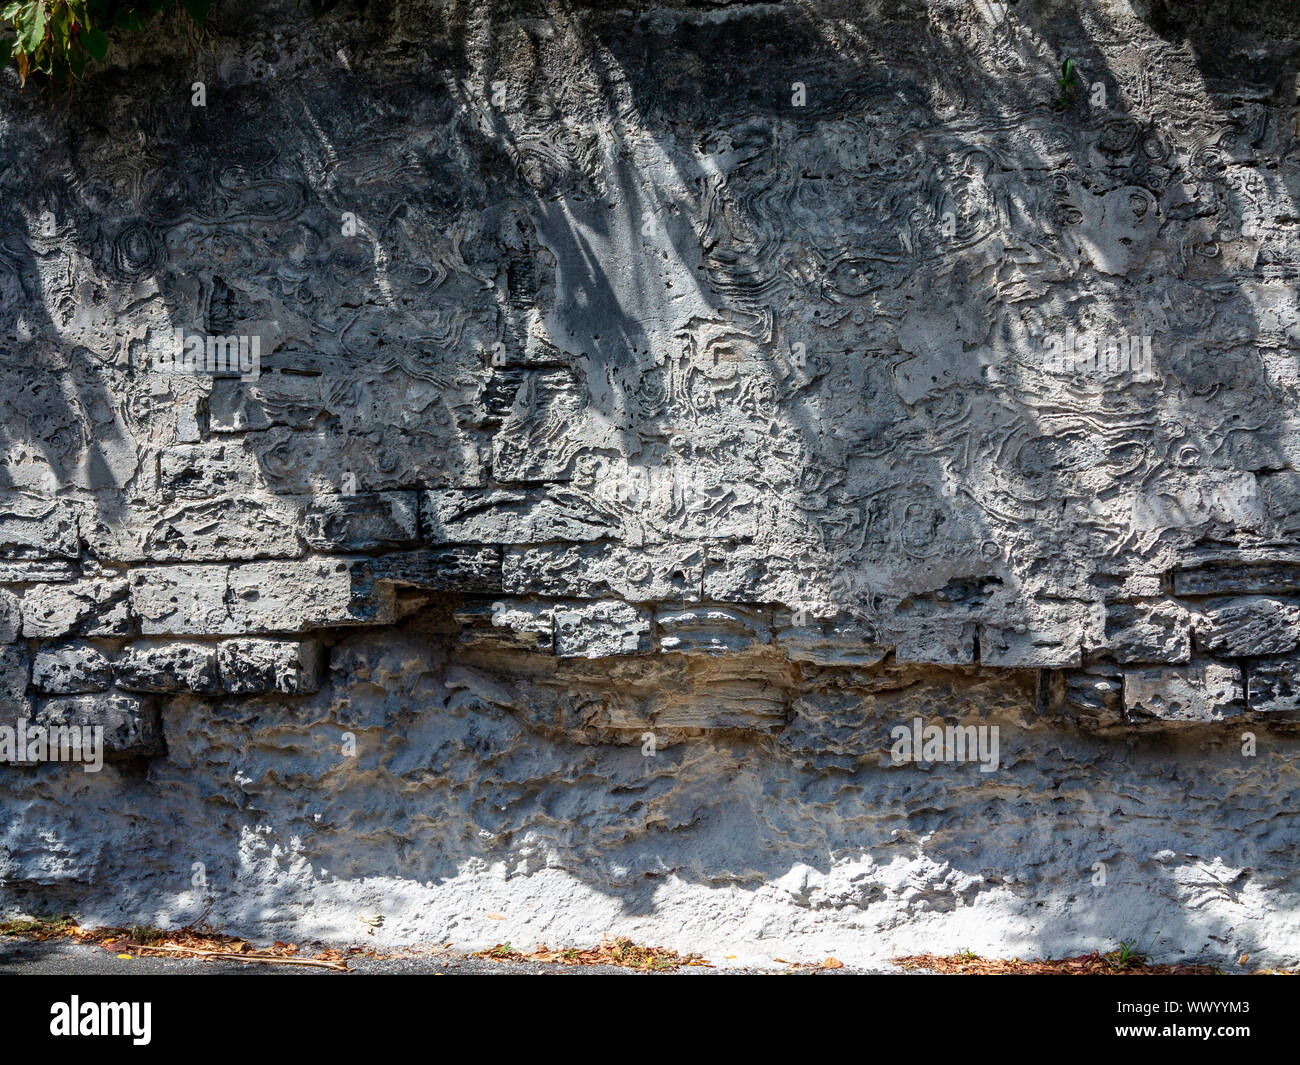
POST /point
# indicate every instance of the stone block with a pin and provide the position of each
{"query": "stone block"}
(749, 573)
(469, 570)
(601, 630)
(314, 593)
(205, 471)
(1050, 639)
(1149, 632)
(1273, 687)
(502, 516)
(168, 666)
(36, 528)
(71, 668)
(255, 666)
(37, 572)
(933, 641)
(1281, 497)
(827, 643)
(130, 724)
(380, 457)
(182, 600)
(1227, 578)
(1249, 626)
(510, 622)
(92, 606)
(246, 526)
(594, 571)
(378, 521)
(1192, 694)
(1093, 695)
(259, 597)
(711, 630)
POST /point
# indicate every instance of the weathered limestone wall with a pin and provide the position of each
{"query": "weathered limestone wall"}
(654, 408)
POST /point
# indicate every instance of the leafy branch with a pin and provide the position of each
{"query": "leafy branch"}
(56, 40)
(60, 38)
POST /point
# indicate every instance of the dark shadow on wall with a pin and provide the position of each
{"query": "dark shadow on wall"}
(649, 227)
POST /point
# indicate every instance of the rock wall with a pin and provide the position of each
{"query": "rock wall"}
(514, 468)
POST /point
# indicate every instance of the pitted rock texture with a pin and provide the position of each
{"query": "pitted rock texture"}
(445, 785)
(742, 380)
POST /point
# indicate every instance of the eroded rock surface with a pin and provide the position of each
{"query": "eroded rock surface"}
(653, 409)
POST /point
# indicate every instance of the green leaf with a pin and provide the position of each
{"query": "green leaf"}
(95, 43)
(61, 28)
(11, 10)
(32, 31)
(198, 9)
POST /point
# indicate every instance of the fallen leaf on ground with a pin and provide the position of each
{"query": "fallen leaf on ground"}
(1094, 964)
(620, 951)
